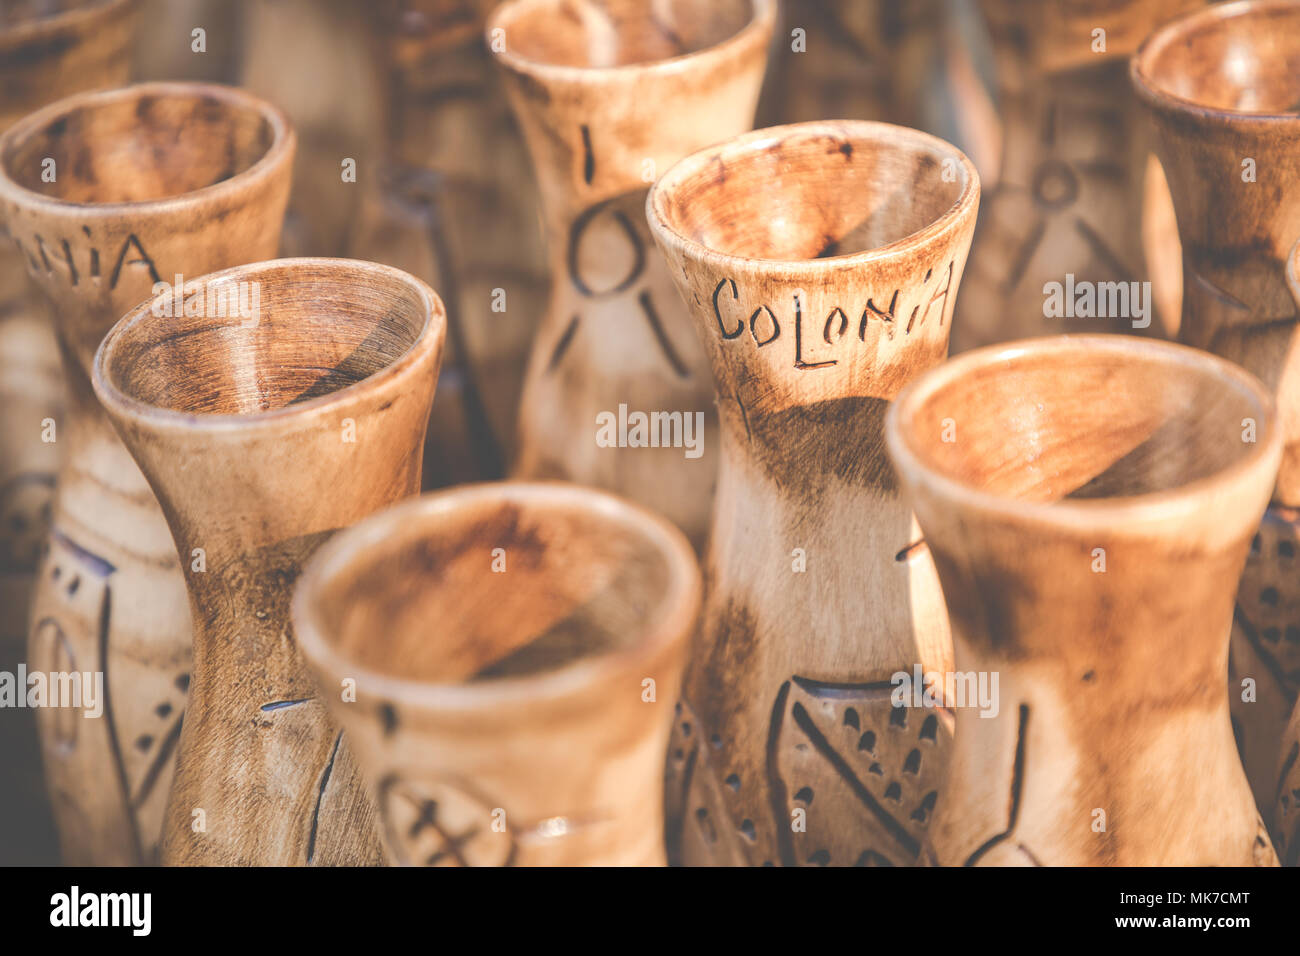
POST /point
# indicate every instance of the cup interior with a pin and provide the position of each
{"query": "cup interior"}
(269, 336)
(1245, 58)
(1051, 423)
(612, 33)
(813, 191)
(496, 587)
(140, 145)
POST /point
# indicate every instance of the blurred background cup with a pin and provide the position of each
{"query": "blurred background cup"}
(617, 340)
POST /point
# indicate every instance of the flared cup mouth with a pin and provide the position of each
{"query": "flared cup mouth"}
(262, 343)
(142, 149)
(1086, 430)
(796, 197)
(583, 41)
(494, 593)
(1230, 62)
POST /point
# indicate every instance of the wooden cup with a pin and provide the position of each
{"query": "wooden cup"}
(1222, 87)
(513, 651)
(1089, 501)
(47, 52)
(1069, 195)
(149, 182)
(290, 425)
(616, 340)
(820, 262)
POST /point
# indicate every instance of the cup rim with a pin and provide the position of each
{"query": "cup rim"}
(25, 31)
(427, 341)
(1088, 514)
(280, 151)
(761, 21)
(1159, 98)
(367, 537)
(963, 207)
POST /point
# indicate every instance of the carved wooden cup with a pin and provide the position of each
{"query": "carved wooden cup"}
(820, 262)
(292, 424)
(151, 181)
(515, 651)
(616, 340)
(1069, 194)
(47, 51)
(1089, 501)
(1223, 89)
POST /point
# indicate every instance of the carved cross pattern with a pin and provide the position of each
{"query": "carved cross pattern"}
(441, 823)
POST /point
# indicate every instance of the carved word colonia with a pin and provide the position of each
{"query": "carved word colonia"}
(816, 337)
(651, 430)
(55, 689)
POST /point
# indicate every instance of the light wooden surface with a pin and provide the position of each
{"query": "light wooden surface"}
(1089, 501)
(820, 262)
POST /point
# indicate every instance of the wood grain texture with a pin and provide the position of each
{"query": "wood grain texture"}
(47, 51)
(290, 428)
(1027, 465)
(581, 76)
(1222, 88)
(1068, 198)
(821, 262)
(153, 180)
(501, 638)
